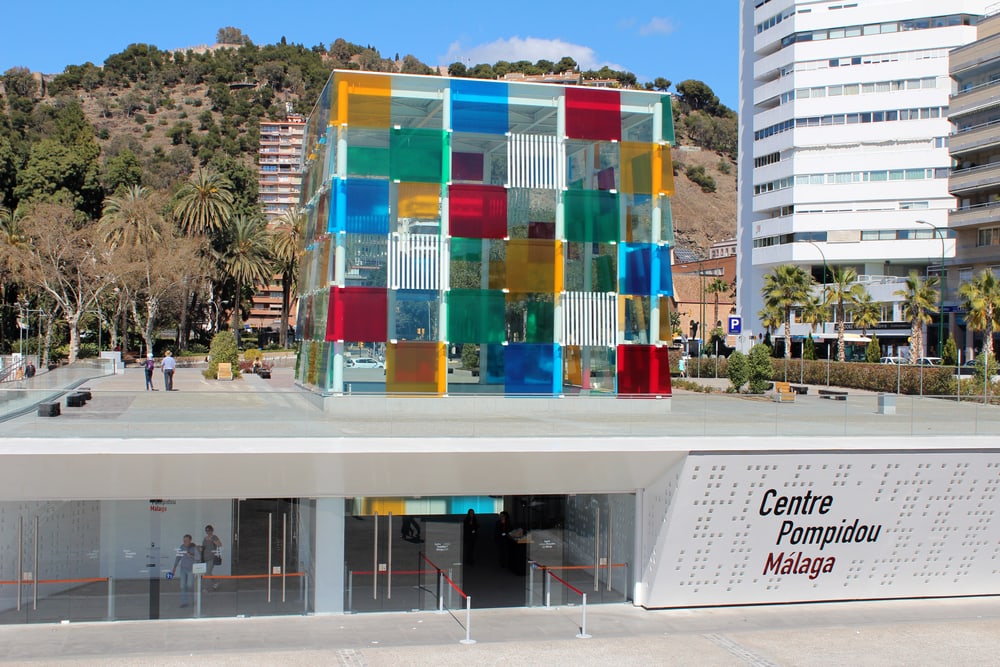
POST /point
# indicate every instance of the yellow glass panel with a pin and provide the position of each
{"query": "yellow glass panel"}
(419, 200)
(534, 265)
(384, 506)
(573, 364)
(415, 367)
(637, 168)
(665, 333)
(363, 99)
(663, 171)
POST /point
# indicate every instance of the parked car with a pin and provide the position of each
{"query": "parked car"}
(365, 362)
(895, 361)
(929, 361)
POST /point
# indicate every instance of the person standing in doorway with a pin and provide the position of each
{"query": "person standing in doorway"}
(470, 532)
(186, 556)
(169, 365)
(210, 553)
(147, 367)
(501, 537)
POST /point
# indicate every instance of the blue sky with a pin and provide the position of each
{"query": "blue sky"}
(674, 39)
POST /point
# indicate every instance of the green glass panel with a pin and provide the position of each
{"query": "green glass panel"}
(592, 216)
(367, 161)
(466, 250)
(540, 322)
(416, 155)
(476, 316)
(604, 274)
(666, 221)
(668, 120)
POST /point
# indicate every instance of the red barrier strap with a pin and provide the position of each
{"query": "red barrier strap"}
(567, 584)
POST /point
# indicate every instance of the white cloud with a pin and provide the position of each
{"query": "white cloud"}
(528, 48)
(657, 26)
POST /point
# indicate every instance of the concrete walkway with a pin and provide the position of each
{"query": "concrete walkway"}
(956, 632)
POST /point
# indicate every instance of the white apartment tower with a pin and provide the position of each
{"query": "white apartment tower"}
(843, 143)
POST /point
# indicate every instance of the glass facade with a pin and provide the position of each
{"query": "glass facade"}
(519, 231)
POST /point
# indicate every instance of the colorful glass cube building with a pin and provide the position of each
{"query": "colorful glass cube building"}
(524, 228)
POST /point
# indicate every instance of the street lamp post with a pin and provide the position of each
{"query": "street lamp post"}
(938, 232)
(823, 255)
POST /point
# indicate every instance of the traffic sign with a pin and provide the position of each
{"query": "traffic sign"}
(735, 325)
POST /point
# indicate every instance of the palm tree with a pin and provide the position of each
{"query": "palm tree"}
(841, 291)
(286, 246)
(717, 287)
(981, 300)
(770, 318)
(814, 311)
(919, 297)
(131, 221)
(246, 258)
(784, 288)
(866, 313)
(205, 203)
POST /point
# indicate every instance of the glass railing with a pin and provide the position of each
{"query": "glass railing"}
(256, 407)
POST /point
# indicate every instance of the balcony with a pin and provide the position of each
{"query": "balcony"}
(974, 54)
(975, 99)
(972, 216)
(975, 138)
(976, 178)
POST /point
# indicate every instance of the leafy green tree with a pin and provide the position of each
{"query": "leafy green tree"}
(697, 95)
(918, 299)
(231, 35)
(786, 287)
(412, 65)
(121, 171)
(760, 368)
(873, 351)
(981, 300)
(659, 83)
(738, 370)
(458, 69)
(843, 290)
(565, 64)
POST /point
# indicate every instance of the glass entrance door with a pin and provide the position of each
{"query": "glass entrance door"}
(386, 568)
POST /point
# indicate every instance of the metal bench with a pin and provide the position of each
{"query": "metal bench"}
(48, 410)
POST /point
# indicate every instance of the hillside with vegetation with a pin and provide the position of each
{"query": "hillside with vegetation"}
(148, 162)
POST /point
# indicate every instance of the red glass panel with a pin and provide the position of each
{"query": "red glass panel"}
(467, 166)
(593, 114)
(643, 370)
(357, 314)
(478, 211)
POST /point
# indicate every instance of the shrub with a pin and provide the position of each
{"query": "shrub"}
(696, 174)
(738, 370)
(724, 167)
(252, 354)
(949, 353)
(873, 351)
(223, 350)
(761, 371)
(809, 348)
(470, 356)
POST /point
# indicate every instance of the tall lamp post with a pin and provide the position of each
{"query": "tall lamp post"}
(938, 232)
(823, 255)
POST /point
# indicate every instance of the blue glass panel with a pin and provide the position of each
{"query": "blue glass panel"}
(479, 106)
(661, 270)
(367, 206)
(635, 268)
(533, 369)
(495, 354)
(338, 206)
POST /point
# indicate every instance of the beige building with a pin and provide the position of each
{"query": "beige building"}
(974, 111)
(279, 182)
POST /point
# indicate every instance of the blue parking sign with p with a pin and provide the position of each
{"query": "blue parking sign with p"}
(735, 325)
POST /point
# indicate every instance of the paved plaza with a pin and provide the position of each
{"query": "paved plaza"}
(956, 632)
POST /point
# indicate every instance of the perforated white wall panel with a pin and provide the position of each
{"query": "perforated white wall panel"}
(823, 526)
